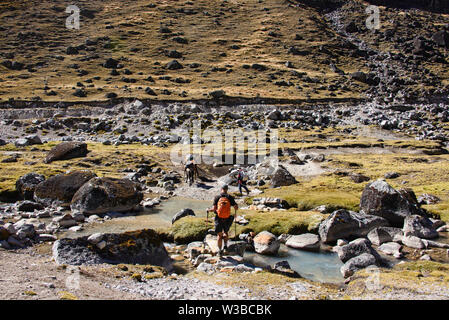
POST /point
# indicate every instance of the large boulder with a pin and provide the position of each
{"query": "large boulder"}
(67, 150)
(26, 184)
(181, 214)
(418, 226)
(281, 177)
(357, 263)
(306, 241)
(343, 224)
(385, 234)
(102, 195)
(266, 243)
(62, 187)
(380, 199)
(136, 247)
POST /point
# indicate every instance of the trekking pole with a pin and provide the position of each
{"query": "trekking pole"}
(235, 225)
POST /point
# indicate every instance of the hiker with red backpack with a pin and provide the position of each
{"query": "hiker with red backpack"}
(241, 181)
(223, 219)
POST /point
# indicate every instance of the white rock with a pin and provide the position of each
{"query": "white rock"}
(95, 238)
(76, 228)
(101, 245)
(391, 248)
(426, 257)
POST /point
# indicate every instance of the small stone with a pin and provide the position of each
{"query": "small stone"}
(101, 245)
(95, 238)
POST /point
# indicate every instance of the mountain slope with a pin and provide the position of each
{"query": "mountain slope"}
(250, 48)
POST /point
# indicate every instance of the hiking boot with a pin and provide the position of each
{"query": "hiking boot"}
(220, 253)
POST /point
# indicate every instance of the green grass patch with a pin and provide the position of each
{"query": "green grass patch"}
(279, 222)
(190, 229)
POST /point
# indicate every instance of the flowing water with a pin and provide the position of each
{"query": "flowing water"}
(159, 216)
(317, 266)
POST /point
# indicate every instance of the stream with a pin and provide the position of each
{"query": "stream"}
(316, 266)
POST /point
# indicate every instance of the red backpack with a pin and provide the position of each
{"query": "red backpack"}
(224, 208)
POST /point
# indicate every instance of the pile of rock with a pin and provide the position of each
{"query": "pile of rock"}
(388, 218)
(23, 233)
(268, 204)
(203, 256)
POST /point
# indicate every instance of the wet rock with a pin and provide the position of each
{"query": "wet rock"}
(420, 227)
(101, 195)
(283, 268)
(356, 248)
(357, 263)
(281, 177)
(182, 214)
(380, 199)
(307, 241)
(26, 184)
(283, 238)
(413, 242)
(67, 150)
(266, 243)
(385, 234)
(391, 248)
(136, 247)
(62, 187)
(343, 224)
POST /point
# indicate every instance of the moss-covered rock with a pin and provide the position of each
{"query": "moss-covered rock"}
(136, 247)
(62, 187)
(190, 229)
(101, 195)
(67, 150)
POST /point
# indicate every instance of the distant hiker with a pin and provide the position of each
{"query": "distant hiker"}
(241, 181)
(223, 219)
(190, 169)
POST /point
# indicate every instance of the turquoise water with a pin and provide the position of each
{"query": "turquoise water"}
(152, 218)
(317, 266)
